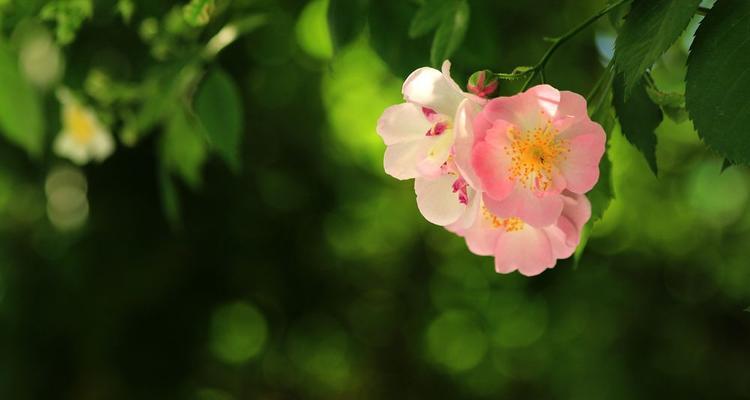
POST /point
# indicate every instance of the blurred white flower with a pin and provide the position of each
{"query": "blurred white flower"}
(83, 137)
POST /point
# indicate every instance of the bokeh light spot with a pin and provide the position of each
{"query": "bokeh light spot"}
(312, 30)
(67, 203)
(320, 349)
(238, 332)
(456, 341)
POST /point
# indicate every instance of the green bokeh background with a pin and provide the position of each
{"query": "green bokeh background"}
(311, 274)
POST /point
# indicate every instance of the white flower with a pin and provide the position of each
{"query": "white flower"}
(429, 138)
(83, 137)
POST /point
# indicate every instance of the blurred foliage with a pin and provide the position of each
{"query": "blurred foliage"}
(285, 264)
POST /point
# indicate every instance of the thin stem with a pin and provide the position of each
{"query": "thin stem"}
(230, 32)
(559, 41)
(703, 11)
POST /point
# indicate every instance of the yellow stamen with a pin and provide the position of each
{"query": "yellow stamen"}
(511, 224)
(535, 154)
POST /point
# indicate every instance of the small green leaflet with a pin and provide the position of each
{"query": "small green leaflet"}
(198, 12)
(219, 109)
(718, 81)
(638, 116)
(648, 31)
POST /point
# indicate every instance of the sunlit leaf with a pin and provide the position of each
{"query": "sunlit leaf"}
(219, 109)
(21, 118)
(718, 82)
(649, 29)
(638, 117)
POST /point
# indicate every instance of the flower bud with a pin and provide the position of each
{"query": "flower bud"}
(482, 83)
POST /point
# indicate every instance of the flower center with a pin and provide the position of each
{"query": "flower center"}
(79, 124)
(534, 155)
(512, 224)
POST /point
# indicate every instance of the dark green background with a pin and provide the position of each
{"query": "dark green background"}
(360, 297)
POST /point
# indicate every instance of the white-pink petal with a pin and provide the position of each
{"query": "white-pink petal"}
(430, 88)
(437, 201)
(402, 122)
(401, 159)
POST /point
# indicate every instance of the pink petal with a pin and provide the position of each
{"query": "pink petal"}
(537, 211)
(581, 165)
(491, 165)
(464, 141)
(529, 251)
(546, 97)
(558, 235)
(572, 105)
(577, 209)
(402, 122)
(525, 110)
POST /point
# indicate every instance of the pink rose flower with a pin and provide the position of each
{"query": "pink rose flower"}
(518, 245)
(421, 136)
(530, 148)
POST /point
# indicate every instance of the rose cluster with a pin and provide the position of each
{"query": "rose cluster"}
(508, 174)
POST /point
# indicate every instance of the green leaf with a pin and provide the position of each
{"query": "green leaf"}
(219, 109)
(388, 25)
(198, 12)
(638, 116)
(184, 148)
(649, 29)
(450, 34)
(21, 119)
(726, 164)
(600, 109)
(346, 19)
(430, 14)
(163, 93)
(578, 255)
(170, 201)
(718, 81)
(617, 15)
